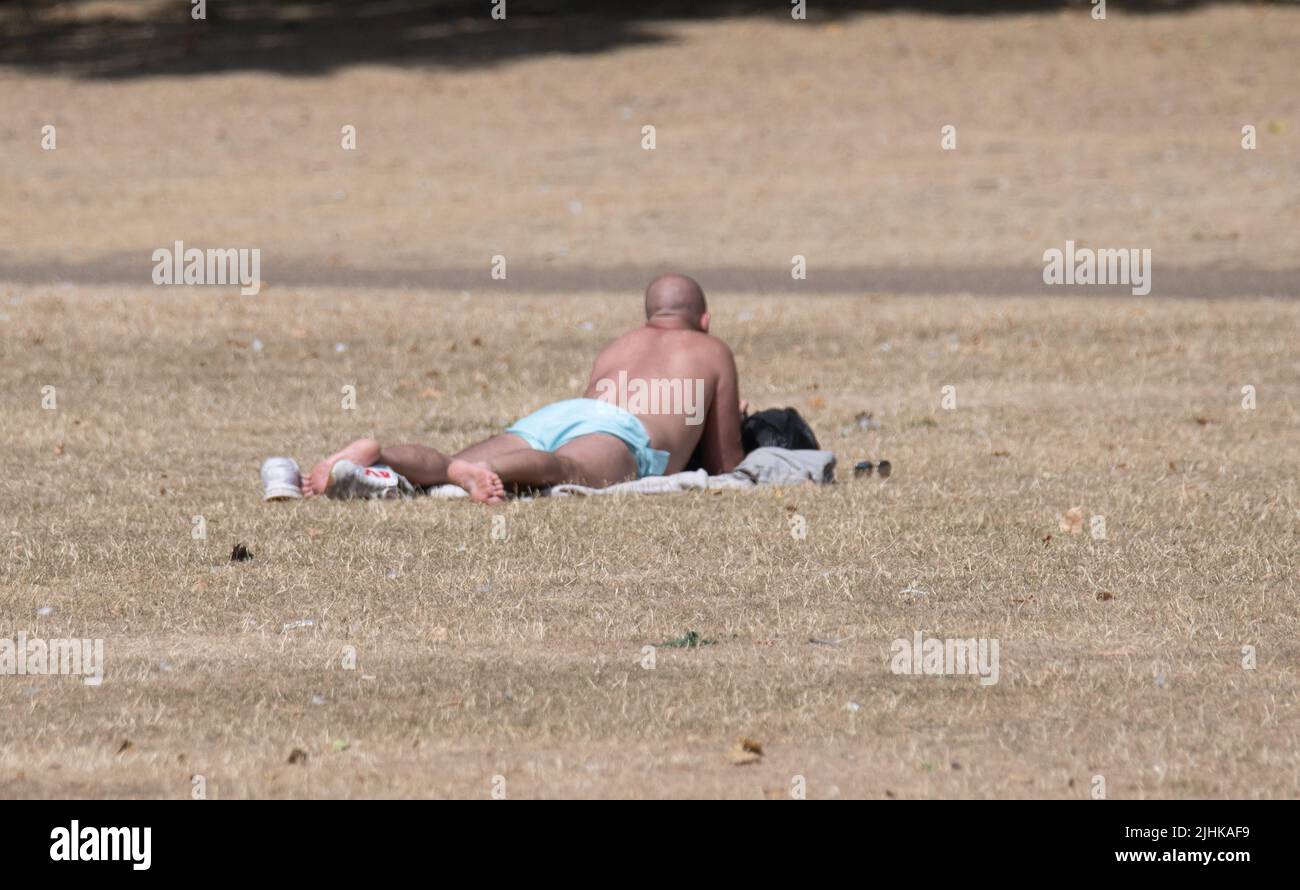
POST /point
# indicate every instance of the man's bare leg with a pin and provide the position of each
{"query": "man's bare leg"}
(424, 466)
(362, 452)
(595, 460)
(420, 465)
(495, 446)
(427, 466)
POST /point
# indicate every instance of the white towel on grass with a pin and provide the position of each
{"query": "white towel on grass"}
(762, 466)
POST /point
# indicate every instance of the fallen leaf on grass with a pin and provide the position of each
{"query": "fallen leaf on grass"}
(1104, 595)
(745, 752)
(298, 756)
(1072, 520)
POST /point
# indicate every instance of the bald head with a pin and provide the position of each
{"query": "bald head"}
(677, 300)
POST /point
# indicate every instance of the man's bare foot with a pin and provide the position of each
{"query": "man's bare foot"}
(482, 484)
(362, 452)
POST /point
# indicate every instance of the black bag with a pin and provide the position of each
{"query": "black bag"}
(778, 427)
(781, 427)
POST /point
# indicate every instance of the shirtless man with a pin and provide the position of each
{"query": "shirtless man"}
(654, 394)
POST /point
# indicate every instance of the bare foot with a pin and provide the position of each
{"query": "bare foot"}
(482, 484)
(362, 452)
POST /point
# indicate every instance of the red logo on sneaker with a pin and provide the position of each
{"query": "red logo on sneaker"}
(371, 471)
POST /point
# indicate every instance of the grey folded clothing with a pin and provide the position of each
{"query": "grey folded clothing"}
(785, 466)
(762, 466)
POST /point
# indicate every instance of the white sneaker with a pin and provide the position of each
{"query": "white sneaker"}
(281, 479)
(347, 480)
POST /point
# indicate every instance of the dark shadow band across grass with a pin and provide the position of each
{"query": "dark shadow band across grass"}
(315, 37)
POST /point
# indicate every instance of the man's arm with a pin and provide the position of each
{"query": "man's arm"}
(592, 379)
(720, 448)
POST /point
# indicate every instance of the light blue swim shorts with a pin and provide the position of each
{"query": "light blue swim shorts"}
(546, 429)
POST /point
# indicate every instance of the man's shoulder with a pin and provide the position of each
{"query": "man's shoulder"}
(693, 336)
(705, 340)
(697, 342)
(718, 345)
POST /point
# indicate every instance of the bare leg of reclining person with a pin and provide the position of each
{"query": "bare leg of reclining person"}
(362, 452)
(595, 460)
(419, 464)
(492, 447)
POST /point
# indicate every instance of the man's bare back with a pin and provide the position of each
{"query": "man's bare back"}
(681, 384)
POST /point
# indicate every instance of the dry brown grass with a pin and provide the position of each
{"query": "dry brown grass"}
(521, 657)
(773, 139)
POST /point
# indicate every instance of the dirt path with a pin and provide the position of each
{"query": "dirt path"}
(1208, 283)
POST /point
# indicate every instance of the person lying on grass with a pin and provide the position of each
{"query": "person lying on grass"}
(654, 395)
